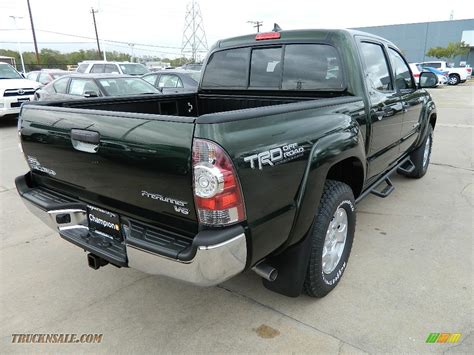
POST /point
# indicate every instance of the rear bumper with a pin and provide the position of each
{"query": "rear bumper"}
(213, 256)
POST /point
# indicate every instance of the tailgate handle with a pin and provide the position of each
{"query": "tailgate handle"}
(85, 141)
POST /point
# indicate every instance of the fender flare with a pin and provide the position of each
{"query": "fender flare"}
(292, 257)
(425, 120)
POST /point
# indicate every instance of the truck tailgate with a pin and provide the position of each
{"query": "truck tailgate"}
(111, 157)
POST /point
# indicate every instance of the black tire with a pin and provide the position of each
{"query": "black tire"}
(417, 157)
(335, 195)
(454, 79)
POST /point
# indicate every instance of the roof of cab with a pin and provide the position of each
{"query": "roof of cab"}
(297, 35)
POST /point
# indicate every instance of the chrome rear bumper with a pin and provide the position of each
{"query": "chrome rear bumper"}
(217, 255)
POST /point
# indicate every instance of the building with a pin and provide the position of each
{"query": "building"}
(415, 39)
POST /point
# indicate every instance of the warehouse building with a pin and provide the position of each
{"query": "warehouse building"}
(415, 39)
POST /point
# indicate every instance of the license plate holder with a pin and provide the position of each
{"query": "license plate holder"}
(104, 222)
(23, 99)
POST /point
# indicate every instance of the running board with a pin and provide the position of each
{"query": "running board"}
(387, 190)
(405, 165)
(406, 168)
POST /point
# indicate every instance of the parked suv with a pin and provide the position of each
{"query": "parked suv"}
(100, 66)
(14, 90)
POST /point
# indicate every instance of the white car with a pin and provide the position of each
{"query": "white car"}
(100, 66)
(417, 69)
(14, 90)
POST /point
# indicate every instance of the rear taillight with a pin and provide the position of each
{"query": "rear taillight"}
(416, 75)
(217, 192)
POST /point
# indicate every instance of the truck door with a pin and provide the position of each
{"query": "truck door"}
(410, 97)
(385, 108)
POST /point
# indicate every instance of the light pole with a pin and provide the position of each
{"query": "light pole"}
(132, 45)
(18, 43)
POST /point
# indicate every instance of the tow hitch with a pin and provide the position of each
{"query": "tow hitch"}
(95, 261)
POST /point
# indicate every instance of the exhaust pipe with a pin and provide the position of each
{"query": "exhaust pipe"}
(266, 271)
(95, 261)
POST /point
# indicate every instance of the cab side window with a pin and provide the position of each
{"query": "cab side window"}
(97, 68)
(80, 86)
(403, 79)
(60, 86)
(169, 81)
(376, 66)
(111, 68)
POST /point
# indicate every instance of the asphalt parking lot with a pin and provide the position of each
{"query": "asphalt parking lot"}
(410, 274)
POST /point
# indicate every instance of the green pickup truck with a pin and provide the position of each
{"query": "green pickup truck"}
(260, 169)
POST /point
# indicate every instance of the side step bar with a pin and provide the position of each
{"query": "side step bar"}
(404, 166)
(387, 190)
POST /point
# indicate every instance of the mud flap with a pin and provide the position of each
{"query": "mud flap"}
(292, 265)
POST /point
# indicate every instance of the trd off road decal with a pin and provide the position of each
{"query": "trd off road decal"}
(275, 156)
(179, 206)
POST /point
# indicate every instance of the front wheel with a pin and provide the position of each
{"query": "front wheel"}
(332, 235)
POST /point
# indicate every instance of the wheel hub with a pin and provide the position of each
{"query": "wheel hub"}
(335, 240)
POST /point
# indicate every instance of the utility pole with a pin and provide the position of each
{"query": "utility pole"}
(256, 24)
(34, 34)
(19, 45)
(93, 12)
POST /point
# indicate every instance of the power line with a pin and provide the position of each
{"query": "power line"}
(109, 40)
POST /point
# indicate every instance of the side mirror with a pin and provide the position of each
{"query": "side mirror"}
(428, 80)
(91, 94)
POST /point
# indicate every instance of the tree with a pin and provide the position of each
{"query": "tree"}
(453, 49)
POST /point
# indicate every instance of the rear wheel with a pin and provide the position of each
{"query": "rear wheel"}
(454, 79)
(332, 236)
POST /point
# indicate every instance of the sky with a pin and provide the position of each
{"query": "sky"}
(160, 24)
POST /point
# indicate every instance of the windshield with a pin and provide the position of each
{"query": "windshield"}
(8, 72)
(126, 86)
(134, 69)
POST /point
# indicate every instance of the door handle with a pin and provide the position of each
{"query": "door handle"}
(85, 141)
(384, 111)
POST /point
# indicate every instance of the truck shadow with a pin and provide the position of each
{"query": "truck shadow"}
(8, 121)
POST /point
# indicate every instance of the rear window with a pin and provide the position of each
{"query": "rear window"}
(227, 69)
(312, 67)
(291, 67)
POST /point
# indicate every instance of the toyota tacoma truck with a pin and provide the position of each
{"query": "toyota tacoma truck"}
(260, 169)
